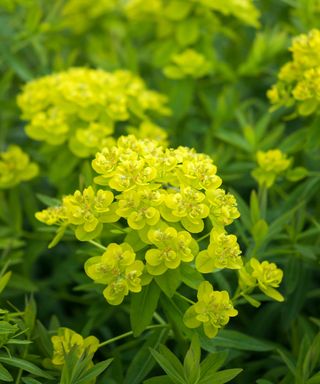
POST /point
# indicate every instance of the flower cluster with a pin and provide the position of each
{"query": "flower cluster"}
(299, 80)
(81, 106)
(213, 310)
(86, 212)
(164, 197)
(187, 63)
(271, 164)
(223, 252)
(267, 276)
(67, 340)
(15, 167)
(119, 270)
(184, 30)
(79, 15)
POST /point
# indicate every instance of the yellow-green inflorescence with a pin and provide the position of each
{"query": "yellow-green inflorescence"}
(212, 310)
(160, 199)
(299, 80)
(81, 106)
(184, 30)
(16, 167)
(66, 340)
(271, 164)
(264, 275)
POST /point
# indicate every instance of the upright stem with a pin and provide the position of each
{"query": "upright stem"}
(130, 333)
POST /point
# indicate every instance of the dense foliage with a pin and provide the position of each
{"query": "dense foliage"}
(159, 183)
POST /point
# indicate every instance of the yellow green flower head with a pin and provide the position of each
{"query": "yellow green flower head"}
(271, 164)
(80, 15)
(66, 339)
(173, 247)
(16, 167)
(118, 269)
(267, 276)
(81, 107)
(187, 63)
(299, 80)
(223, 252)
(161, 197)
(213, 310)
(149, 130)
(85, 211)
(223, 207)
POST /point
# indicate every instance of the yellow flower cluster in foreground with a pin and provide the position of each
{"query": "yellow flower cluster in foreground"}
(15, 167)
(165, 196)
(81, 106)
(299, 79)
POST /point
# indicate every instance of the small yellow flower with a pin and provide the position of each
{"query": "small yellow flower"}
(213, 310)
(271, 164)
(66, 339)
(16, 167)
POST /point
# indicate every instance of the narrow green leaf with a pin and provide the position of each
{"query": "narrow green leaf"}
(221, 377)
(5, 375)
(94, 372)
(143, 306)
(25, 366)
(170, 364)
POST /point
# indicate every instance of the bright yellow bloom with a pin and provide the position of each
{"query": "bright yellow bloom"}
(15, 167)
(299, 80)
(81, 106)
(271, 164)
(118, 269)
(223, 252)
(267, 276)
(66, 339)
(213, 309)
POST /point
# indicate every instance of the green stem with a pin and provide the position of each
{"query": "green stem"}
(184, 298)
(263, 200)
(203, 237)
(98, 245)
(130, 333)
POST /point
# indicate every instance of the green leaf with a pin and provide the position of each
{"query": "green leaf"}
(143, 361)
(187, 31)
(170, 364)
(94, 372)
(5, 375)
(259, 231)
(30, 380)
(158, 380)
(4, 280)
(48, 201)
(315, 379)
(143, 306)
(212, 363)
(25, 366)
(254, 207)
(221, 377)
(169, 282)
(297, 174)
(237, 340)
(191, 364)
(190, 276)
(59, 235)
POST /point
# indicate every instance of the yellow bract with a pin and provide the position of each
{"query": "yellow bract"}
(299, 80)
(267, 276)
(81, 107)
(271, 164)
(164, 196)
(213, 309)
(66, 340)
(15, 167)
